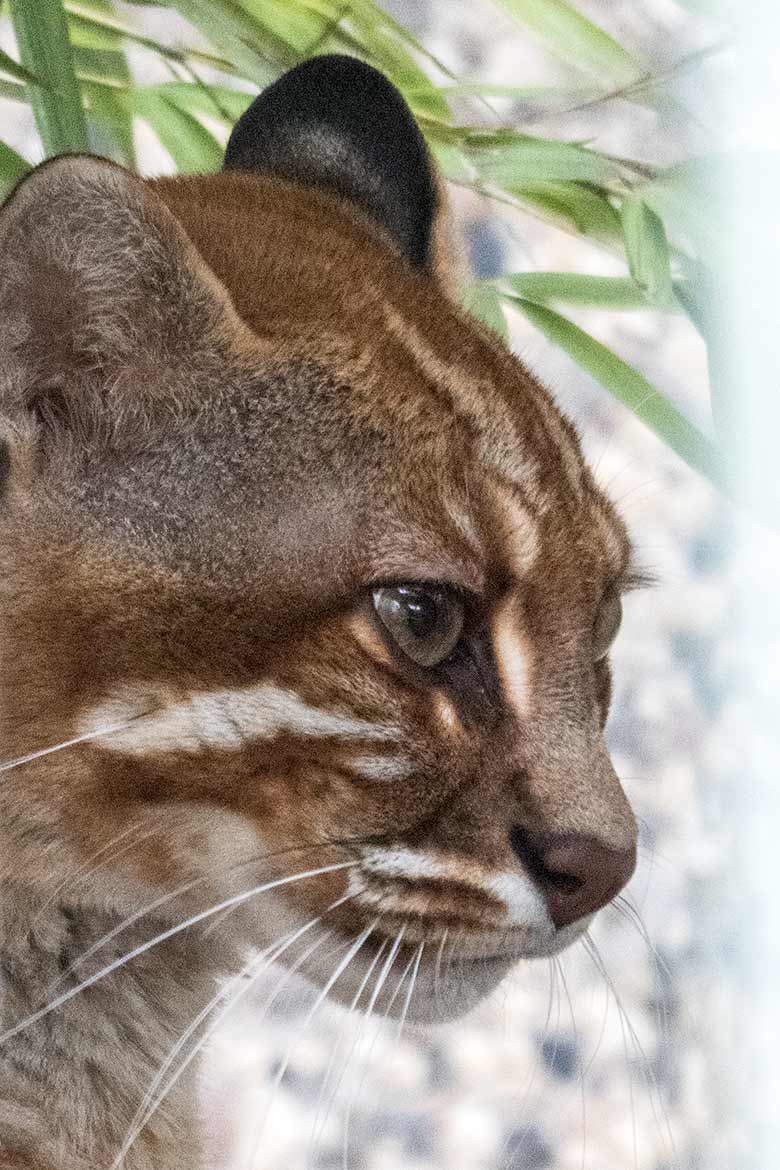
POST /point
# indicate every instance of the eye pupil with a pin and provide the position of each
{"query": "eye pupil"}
(421, 613)
(425, 622)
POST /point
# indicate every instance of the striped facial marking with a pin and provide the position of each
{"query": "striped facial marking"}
(614, 541)
(520, 529)
(521, 903)
(448, 715)
(382, 768)
(220, 719)
(365, 634)
(514, 656)
(498, 445)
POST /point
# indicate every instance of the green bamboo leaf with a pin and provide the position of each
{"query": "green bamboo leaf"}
(13, 91)
(110, 119)
(690, 197)
(705, 300)
(110, 122)
(247, 42)
(581, 207)
(94, 26)
(646, 248)
(617, 293)
(390, 48)
(216, 101)
(631, 388)
(536, 95)
(104, 66)
(14, 69)
(193, 149)
(483, 301)
(41, 31)
(521, 160)
(299, 25)
(576, 40)
(12, 168)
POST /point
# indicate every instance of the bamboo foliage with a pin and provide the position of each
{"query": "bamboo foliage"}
(72, 68)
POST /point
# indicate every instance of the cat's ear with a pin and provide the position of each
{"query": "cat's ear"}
(102, 295)
(336, 124)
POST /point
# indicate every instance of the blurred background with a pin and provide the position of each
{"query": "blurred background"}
(622, 1055)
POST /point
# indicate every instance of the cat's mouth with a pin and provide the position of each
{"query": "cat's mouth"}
(421, 936)
(430, 979)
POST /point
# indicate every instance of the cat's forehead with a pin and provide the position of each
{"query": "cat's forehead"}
(480, 463)
(430, 455)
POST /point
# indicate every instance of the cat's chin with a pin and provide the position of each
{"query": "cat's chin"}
(441, 990)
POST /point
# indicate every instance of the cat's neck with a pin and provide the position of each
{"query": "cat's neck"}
(72, 1081)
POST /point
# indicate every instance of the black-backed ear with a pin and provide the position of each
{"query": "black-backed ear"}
(103, 298)
(337, 124)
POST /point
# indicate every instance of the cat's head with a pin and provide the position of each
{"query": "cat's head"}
(305, 561)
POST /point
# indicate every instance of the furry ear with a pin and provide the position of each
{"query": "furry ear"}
(102, 296)
(339, 125)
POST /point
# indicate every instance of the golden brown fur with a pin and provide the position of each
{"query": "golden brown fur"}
(231, 406)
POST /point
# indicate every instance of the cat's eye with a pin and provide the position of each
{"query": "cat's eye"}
(606, 625)
(424, 621)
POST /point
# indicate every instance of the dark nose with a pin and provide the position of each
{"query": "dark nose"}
(575, 872)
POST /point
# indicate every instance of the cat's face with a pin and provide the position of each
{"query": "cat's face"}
(311, 568)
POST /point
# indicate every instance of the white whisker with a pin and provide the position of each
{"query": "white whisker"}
(202, 916)
(248, 976)
(80, 873)
(99, 733)
(575, 1034)
(405, 1010)
(437, 971)
(317, 1129)
(380, 982)
(654, 1089)
(332, 979)
(600, 1039)
(507, 1146)
(185, 888)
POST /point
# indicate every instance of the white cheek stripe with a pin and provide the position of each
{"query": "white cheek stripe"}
(382, 767)
(523, 903)
(224, 719)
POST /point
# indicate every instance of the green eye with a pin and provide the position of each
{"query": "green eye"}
(606, 626)
(424, 621)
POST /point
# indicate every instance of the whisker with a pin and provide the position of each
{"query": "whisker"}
(626, 909)
(332, 979)
(380, 982)
(317, 1128)
(604, 1018)
(202, 916)
(437, 971)
(290, 972)
(100, 733)
(575, 1033)
(185, 888)
(507, 1143)
(595, 957)
(405, 1010)
(80, 873)
(248, 976)
(624, 906)
(654, 1090)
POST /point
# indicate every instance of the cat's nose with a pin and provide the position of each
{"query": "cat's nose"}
(576, 873)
